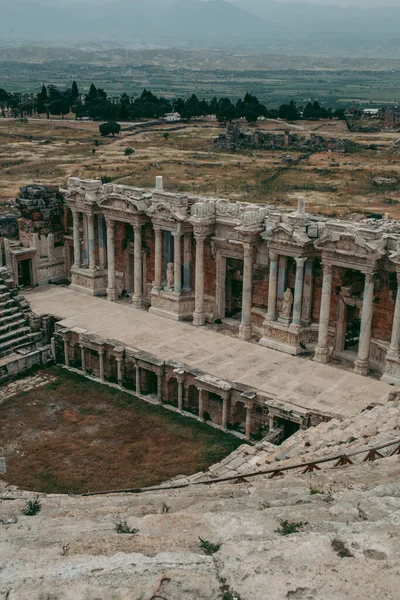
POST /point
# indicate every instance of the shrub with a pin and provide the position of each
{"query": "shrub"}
(123, 527)
(106, 179)
(32, 507)
(129, 151)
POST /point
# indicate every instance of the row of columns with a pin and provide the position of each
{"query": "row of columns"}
(180, 380)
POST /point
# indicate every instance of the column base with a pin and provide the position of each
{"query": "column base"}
(111, 294)
(361, 367)
(321, 355)
(137, 302)
(199, 319)
(245, 332)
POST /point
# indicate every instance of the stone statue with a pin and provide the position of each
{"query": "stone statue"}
(170, 275)
(287, 305)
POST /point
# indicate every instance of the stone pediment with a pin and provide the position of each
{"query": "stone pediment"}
(120, 203)
(351, 245)
(287, 235)
(161, 211)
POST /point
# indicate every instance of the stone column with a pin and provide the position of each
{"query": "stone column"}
(224, 412)
(137, 299)
(248, 420)
(187, 262)
(245, 327)
(119, 370)
(66, 352)
(180, 393)
(138, 392)
(101, 364)
(271, 423)
(199, 317)
(201, 404)
(177, 235)
(83, 360)
(157, 259)
(307, 292)
(85, 239)
(321, 351)
(298, 291)
(91, 243)
(101, 241)
(159, 387)
(77, 238)
(272, 285)
(111, 291)
(394, 350)
(282, 276)
(361, 365)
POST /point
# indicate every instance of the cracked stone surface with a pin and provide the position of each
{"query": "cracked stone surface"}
(70, 549)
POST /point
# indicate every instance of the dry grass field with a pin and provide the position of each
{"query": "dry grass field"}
(334, 184)
(75, 435)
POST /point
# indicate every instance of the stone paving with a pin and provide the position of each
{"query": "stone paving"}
(286, 379)
(24, 385)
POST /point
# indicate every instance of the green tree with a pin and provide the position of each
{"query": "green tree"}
(74, 90)
(111, 127)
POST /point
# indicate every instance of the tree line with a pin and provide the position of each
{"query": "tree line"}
(96, 105)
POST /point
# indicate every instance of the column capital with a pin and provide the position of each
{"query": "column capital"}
(157, 228)
(200, 239)
(327, 268)
(177, 234)
(300, 260)
(137, 227)
(369, 277)
(248, 249)
(109, 221)
(273, 256)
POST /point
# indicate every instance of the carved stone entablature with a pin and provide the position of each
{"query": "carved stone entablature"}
(201, 211)
(288, 239)
(350, 250)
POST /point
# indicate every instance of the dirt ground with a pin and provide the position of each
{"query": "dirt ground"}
(334, 184)
(74, 435)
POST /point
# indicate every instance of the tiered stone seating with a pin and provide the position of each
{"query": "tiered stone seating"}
(370, 428)
(15, 332)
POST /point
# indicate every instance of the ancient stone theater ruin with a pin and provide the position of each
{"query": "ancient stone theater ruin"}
(278, 284)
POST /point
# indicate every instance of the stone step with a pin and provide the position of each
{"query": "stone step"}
(17, 343)
(6, 312)
(4, 297)
(11, 325)
(11, 317)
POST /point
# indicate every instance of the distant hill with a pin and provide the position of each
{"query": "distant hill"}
(262, 25)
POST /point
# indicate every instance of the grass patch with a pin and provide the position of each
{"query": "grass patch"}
(288, 527)
(208, 547)
(75, 435)
(32, 507)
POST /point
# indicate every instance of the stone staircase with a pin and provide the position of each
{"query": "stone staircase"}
(16, 333)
